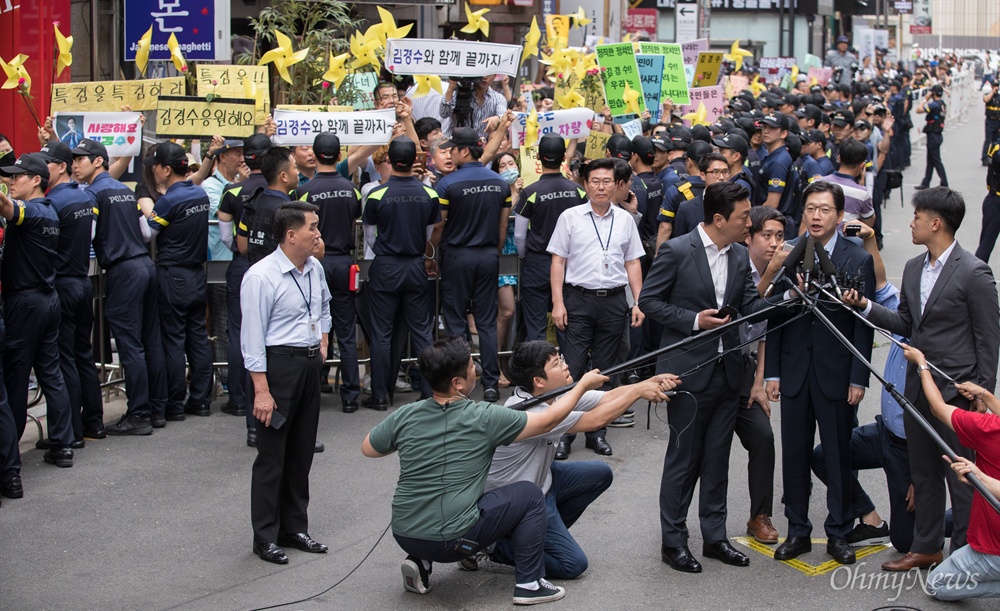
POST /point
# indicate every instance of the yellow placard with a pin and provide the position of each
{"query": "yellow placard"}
(531, 167)
(193, 117)
(557, 28)
(110, 96)
(706, 72)
(235, 82)
(597, 141)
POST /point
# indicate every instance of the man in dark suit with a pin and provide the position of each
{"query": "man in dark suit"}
(819, 382)
(948, 309)
(692, 277)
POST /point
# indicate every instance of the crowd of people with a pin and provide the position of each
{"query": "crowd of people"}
(669, 234)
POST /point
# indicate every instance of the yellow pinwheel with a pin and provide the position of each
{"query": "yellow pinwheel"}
(631, 98)
(175, 54)
(65, 45)
(531, 128)
(795, 74)
(142, 51)
(756, 87)
(283, 56)
(571, 99)
(560, 61)
(389, 29)
(425, 83)
(736, 55)
(477, 23)
(531, 40)
(336, 72)
(698, 117)
(580, 17)
(17, 74)
(364, 52)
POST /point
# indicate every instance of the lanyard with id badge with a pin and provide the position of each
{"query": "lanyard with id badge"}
(605, 255)
(313, 321)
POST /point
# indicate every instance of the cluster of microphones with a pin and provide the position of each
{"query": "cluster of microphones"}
(804, 259)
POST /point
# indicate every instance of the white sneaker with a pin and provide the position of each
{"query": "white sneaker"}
(545, 593)
(415, 578)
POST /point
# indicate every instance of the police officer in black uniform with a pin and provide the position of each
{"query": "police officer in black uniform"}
(131, 300)
(339, 204)
(648, 194)
(538, 208)
(75, 289)
(230, 212)
(10, 455)
(31, 305)
(179, 220)
(991, 205)
(471, 198)
(934, 106)
(399, 217)
(687, 189)
(992, 100)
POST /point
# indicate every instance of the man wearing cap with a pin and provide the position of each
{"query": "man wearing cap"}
(399, 218)
(76, 353)
(648, 190)
(228, 160)
(992, 100)
(339, 204)
(935, 108)
(713, 168)
(471, 197)
(179, 221)
(254, 235)
(537, 209)
(131, 299)
(773, 187)
(735, 150)
(661, 148)
(687, 190)
(679, 139)
(815, 163)
(991, 205)
(840, 57)
(808, 117)
(31, 305)
(841, 128)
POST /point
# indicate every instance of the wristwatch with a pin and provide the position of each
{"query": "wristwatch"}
(923, 368)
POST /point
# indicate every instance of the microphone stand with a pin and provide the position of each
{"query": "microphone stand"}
(898, 396)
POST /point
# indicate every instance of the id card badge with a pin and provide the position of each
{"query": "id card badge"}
(314, 328)
(606, 264)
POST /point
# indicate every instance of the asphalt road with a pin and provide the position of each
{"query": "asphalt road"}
(163, 522)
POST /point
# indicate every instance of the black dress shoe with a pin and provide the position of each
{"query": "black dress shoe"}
(60, 457)
(921, 187)
(841, 550)
(724, 551)
(45, 444)
(196, 409)
(793, 547)
(350, 407)
(131, 425)
(233, 410)
(270, 552)
(302, 541)
(379, 405)
(563, 449)
(326, 388)
(600, 446)
(100, 433)
(252, 438)
(680, 559)
(178, 417)
(159, 421)
(491, 395)
(319, 447)
(12, 488)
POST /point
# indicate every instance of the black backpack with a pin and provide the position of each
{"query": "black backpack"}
(258, 216)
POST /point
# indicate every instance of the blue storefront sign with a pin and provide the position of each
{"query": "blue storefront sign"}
(201, 27)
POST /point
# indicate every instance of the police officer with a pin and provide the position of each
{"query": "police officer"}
(179, 220)
(339, 204)
(538, 208)
(992, 100)
(774, 186)
(230, 212)
(398, 218)
(471, 197)
(935, 108)
(75, 289)
(691, 187)
(648, 192)
(31, 305)
(131, 300)
(991, 205)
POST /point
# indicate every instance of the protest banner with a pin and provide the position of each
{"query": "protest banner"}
(119, 132)
(632, 128)
(296, 128)
(775, 68)
(597, 141)
(570, 123)
(822, 76)
(674, 82)
(363, 84)
(226, 81)
(691, 49)
(714, 99)
(531, 167)
(706, 71)
(193, 117)
(619, 60)
(315, 107)
(110, 96)
(736, 83)
(450, 57)
(651, 76)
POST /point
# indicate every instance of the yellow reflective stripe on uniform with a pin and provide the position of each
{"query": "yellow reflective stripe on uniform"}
(776, 182)
(95, 211)
(533, 197)
(667, 213)
(235, 191)
(810, 180)
(242, 226)
(442, 201)
(508, 199)
(685, 190)
(357, 194)
(138, 207)
(19, 213)
(430, 191)
(376, 194)
(159, 219)
(581, 192)
(304, 198)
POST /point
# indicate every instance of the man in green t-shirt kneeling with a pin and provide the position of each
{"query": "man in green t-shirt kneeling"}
(446, 444)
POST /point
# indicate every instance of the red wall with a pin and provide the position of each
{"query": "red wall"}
(28, 29)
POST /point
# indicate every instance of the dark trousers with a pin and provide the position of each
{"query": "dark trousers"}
(575, 485)
(700, 453)
(76, 353)
(279, 486)
(593, 337)
(991, 227)
(516, 510)
(800, 415)
(183, 297)
(991, 137)
(753, 427)
(907, 148)
(535, 297)
(239, 381)
(934, 141)
(398, 285)
(878, 196)
(874, 447)
(131, 308)
(32, 320)
(929, 473)
(10, 455)
(471, 274)
(345, 316)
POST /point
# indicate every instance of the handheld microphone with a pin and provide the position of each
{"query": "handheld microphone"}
(791, 261)
(829, 270)
(809, 259)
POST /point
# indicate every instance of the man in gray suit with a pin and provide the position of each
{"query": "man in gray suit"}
(691, 279)
(948, 309)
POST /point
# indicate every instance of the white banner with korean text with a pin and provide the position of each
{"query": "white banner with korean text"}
(298, 128)
(450, 57)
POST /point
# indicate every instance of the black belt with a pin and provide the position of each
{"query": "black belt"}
(597, 292)
(308, 352)
(892, 437)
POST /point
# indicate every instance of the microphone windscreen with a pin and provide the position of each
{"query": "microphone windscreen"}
(826, 264)
(809, 258)
(795, 256)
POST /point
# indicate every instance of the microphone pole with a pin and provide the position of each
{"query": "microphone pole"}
(898, 396)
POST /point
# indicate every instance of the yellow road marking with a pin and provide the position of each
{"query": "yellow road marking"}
(805, 567)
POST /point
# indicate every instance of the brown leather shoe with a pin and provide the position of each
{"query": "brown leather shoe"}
(762, 530)
(913, 561)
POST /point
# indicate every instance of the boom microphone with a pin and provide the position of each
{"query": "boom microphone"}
(788, 267)
(829, 270)
(809, 259)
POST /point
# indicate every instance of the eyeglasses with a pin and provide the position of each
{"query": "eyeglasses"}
(558, 363)
(719, 172)
(606, 182)
(824, 210)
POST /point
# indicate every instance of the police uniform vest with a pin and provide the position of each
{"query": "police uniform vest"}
(993, 108)
(258, 221)
(935, 117)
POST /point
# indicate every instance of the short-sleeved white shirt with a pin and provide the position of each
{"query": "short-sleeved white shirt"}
(581, 236)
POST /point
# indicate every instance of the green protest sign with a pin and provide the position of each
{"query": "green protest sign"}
(675, 82)
(621, 77)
